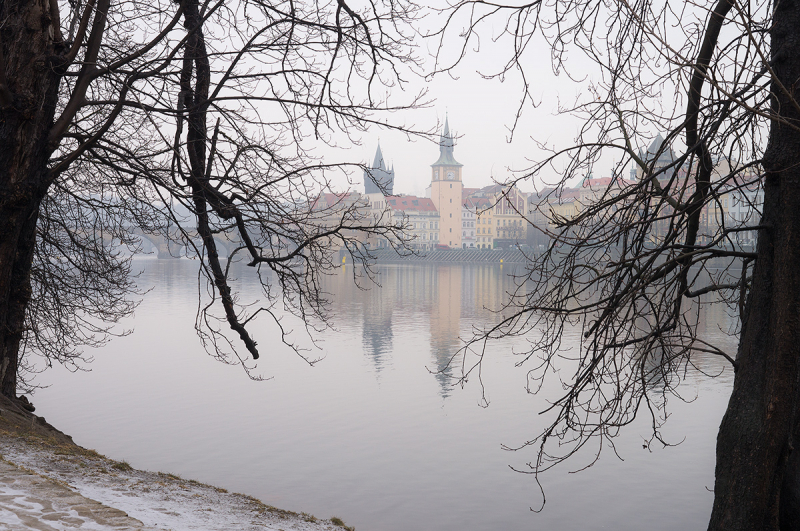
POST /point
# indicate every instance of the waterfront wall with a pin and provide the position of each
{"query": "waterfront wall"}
(458, 255)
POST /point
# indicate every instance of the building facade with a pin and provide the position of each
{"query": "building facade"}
(446, 188)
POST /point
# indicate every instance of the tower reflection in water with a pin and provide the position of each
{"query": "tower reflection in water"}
(446, 301)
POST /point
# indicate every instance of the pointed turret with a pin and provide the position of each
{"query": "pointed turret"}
(377, 179)
(635, 167)
(662, 154)
(446, 147)
(378, 162)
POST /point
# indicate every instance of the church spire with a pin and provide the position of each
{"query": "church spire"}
(377, 179)
(378, 163)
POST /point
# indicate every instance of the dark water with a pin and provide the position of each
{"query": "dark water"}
(370, 434)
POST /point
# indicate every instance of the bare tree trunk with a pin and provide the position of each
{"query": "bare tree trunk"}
(29, 80)
(756, 471)
(17, 239)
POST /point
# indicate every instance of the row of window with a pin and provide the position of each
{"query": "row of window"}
(417, 226)
(514, 222)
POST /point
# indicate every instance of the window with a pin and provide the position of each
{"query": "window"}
(451, 230)
(451, 215)
(451, 185)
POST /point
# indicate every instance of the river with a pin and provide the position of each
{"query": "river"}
(372, 433)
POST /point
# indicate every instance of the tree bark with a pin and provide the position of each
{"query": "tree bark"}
(18, 230)
(756, 472)
(29, 83)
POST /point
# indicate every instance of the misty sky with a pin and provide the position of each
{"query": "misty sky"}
(481, 112)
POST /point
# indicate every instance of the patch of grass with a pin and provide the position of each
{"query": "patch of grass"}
(308, 517)
(77, 451)
(221, 490)
(122, 466)
(264, 508)
(339, 522)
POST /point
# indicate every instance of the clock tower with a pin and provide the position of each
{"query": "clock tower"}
(446, 187)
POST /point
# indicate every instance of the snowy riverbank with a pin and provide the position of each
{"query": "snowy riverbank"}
(49, 483)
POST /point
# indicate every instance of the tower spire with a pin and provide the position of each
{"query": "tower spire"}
(378, 162)
(377, 178)
(446, 147)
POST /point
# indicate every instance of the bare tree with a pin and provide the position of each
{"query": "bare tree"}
(720, 80)
(195, 121)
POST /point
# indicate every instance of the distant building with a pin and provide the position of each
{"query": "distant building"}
(377, 178)
(420, 217)
(499, 215)
(480, 220)
(450, 215)
(660, 155)
(446, 187)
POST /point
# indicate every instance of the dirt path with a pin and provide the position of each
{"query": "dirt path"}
(30, 501)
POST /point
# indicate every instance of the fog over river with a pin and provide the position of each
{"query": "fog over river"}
(369, 434)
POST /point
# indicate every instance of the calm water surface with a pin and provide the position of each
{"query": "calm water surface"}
(370, 434)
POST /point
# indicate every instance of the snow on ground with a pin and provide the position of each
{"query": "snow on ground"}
(60, 487)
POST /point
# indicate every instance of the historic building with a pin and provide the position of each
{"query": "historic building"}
(377, 178)
(446, 186)
(451, 216)
(420, 217)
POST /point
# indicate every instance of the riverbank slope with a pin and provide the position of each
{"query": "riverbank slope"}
(47, 482)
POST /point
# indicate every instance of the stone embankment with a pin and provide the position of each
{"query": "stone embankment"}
(47, 482)
(456, 255)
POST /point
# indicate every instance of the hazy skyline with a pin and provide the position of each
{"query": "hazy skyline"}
(480, 112)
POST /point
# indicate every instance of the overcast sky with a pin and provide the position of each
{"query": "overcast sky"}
(480, 112)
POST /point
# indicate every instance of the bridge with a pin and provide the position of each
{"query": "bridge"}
(164, 248)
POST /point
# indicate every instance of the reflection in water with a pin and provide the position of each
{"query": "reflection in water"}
(445, 324)
(448, 300)
(386, 453)
(377, 326)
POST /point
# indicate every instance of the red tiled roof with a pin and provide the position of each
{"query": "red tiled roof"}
(410, 202)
